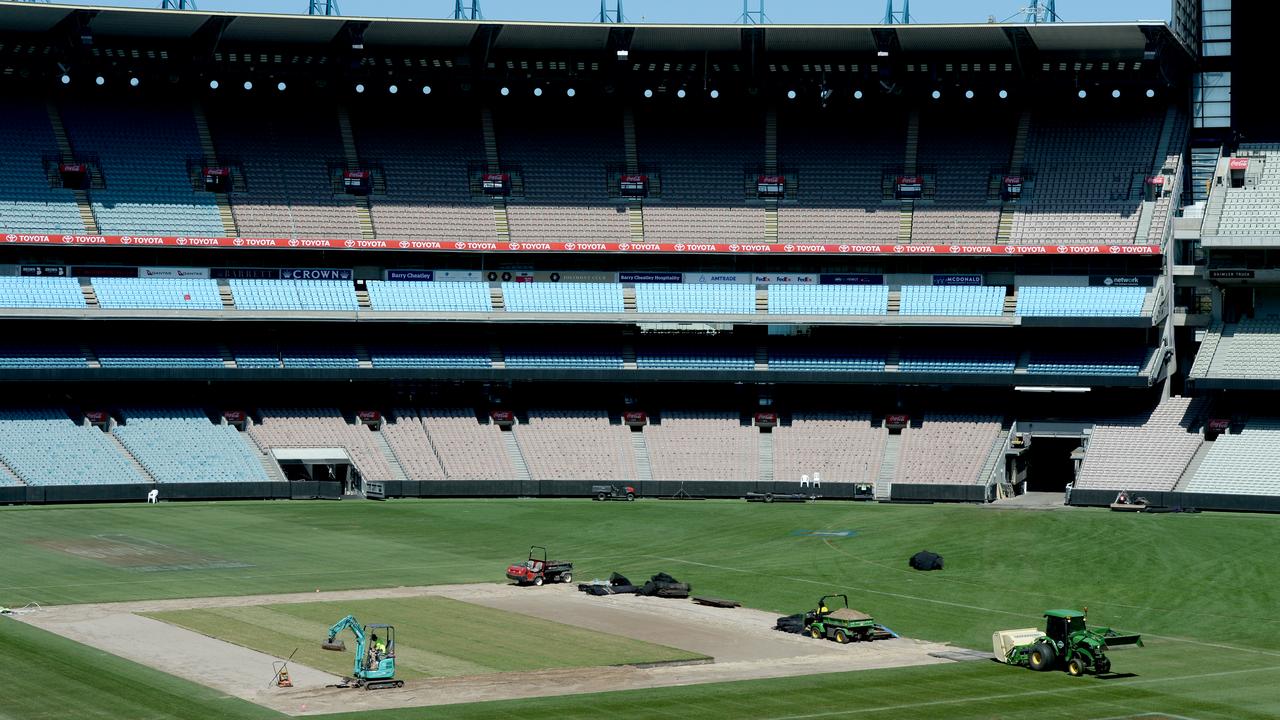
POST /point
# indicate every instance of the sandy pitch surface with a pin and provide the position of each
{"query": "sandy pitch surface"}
(741, 642)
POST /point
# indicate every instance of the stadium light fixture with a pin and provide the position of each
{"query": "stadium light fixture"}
(570, 92)
(1004, 94)
(213, 84)
(505, 91)
(882, 53)
(1151, 93)
(281, 86)
(935, 94)
(968, 94)
(1082, 94)
(715, 94)
(1115, 93)
(681, 93)
(426, 89)
(537, 92)
(648, 93)
(857, 94)
(99, 81)
(134, 82)
(393, 89)
(359, 88)
(623, 54)
(248, 84)
(791, 94)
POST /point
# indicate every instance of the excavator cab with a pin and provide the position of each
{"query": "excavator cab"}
(380, 655)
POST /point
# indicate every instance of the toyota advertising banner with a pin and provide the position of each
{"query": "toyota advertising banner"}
(573, 247)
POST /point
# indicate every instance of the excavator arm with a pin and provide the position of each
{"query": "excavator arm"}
(347, 623)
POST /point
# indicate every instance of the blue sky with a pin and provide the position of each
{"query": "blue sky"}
(706, 11)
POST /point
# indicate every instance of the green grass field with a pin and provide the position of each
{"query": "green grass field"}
(465, 639)
(1199, 587)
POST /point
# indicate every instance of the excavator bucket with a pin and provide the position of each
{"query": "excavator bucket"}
(335, 645)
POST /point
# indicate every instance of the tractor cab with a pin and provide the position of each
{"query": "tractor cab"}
(1060, 624)
(379, 659)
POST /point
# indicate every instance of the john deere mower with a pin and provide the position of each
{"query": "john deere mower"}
(1066, 644)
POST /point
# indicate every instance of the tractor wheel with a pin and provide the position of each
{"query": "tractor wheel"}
(631, 496)
(1042, 656)
(768, 497)
(537, 582)
(601, 496)
(566, 577)
(841, 637)
(1102, 666)
(1075, 667)
(814, 632)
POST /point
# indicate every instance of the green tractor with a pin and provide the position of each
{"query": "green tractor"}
(1066, 643)
(842, 624)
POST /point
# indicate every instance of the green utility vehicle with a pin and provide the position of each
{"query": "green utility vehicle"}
(842, 624)
(1066, 643)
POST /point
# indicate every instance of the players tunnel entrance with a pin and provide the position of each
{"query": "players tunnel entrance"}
(1048, 463)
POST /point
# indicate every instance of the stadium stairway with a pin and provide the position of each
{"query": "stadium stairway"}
(1004, 233)
(640, 449)
(68, 155)
(764, 461)
(1192, 466)
(144, 472)
(512, 446)
(635, 210)
(906, 209)
(995, 460)
(228, 298)
(397, 470)
(210, 152)
(888, 466)
(364, 214)
(90, 294)
(7, 473)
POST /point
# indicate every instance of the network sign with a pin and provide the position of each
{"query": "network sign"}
(314, 274)
(412, 275)
(957, 279)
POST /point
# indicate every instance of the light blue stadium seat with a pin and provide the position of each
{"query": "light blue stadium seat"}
(682, 359)
(552, 297)
(136, 356)
(430, 357)
(44, 447)
(709, 299)
(319, 357)
(828, 299)
(1101, 301)
(41, 357)
(183, 446)
(1085, 363)
(957, 362)
(157, 293)
(563, 358)
(434, 296)
(952, 300)
(40, 292)
(831, 361)
(27, 203)
(330, 295)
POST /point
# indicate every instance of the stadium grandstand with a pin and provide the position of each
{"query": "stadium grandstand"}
(268, 256)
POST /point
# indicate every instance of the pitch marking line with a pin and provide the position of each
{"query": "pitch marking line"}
(1014, 696)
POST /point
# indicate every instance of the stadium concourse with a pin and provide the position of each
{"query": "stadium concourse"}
(422, 258)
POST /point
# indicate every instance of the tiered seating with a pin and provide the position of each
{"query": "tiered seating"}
(40, 292)
(425, 158)
(41, 356)
(438, 356)
(466, 449)
(286, 151)
(1243, 464)
(1087, 173)
(814, 359)
(562, 297)
(946, 449)
(841, 447)
(429, 296)
(828, 299)
(28, 203)
(44, 447)
(143, 152)
(702, 160)
(1081, 301)
(257, 357)
(157, 293)
(985, 300)
(182, 446)
(164, 356)
(1255, 210)
(676, 358)
(957, 361)
(961, 150)
(294, 295)
(323, 428)
(711, 298)
(1249, 349)
(408, 440)
(1142, 453)
(576, 445)
(562, 357)
(1085, 362)
(839, 164)
(702, 446)
(562, 158)
(319, 356)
